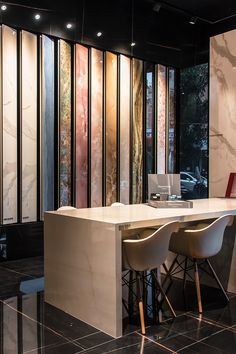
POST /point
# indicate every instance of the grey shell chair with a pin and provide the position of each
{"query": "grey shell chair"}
(200, 244)
(147, 254)
(66, 207)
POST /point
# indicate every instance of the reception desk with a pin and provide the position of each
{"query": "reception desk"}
(83, 255)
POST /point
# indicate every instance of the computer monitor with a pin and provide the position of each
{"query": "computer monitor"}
(164, 183)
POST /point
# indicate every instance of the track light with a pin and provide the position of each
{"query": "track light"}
(37, 17)
(69, 25)
(3, 7)
(193, 20)
(132, 44)
(99, 34)
(157, 7)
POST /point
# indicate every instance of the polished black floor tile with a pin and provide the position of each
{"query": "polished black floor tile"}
(170, 339)
(193, 328)
(200, 348)
(63, 323)
(94, 340)
(125, 341)
(67, 348)
(223, 315)
(224, 341)
(21, 334)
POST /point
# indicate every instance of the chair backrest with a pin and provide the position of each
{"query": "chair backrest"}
(150, 252)
(201, 243)
(66, 207)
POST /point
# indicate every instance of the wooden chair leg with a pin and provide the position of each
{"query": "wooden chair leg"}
(140, 304)
(198, 289)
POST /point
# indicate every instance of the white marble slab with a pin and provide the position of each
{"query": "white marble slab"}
(29, 127)
(222, 143)
(9, 123)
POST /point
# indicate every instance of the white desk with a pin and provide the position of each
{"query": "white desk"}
(83, 255)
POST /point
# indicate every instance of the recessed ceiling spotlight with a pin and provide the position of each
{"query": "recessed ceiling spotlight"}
(37, 17)
(132, 44)
(3, 7)
(193, 20)
(99, 34)
(69, 25)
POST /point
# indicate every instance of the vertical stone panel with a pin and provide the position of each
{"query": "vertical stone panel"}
(222, 123)
(65, 122)
(124, 129)
(137, 129)
(161, 119)
(111, 127)
(9, 126)
(47, 126)
(96, 126)
(29, 126)
(81, 146)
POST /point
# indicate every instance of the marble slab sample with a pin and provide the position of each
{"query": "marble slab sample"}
(9, 125)
(137, 132)
(124, 129)
(150, 125)
(111, 128)
(96, 126)
(65, 123)
(47, 126)
(81, 116)
(171, 122)
(222, 122)
(29, 126)
(161, 118)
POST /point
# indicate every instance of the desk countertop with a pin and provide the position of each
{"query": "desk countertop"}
(135, 213)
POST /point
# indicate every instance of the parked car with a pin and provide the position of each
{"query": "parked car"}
(187, 182)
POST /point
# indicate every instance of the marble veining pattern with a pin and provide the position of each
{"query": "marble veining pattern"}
(124, 129)
(222, 144)
(111, 124)
(9, 124)
(65, 122)
(29, 127)
(81, 126)
(137, 128)
(96, 126)
(161, 119)
(47, 129)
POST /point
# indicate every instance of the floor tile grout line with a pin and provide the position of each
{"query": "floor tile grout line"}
(159, 344)
(14, 271)
(54, 345)
(208, 321)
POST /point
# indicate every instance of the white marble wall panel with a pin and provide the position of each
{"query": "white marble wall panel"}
(9, 125)
(124, 129)
(9, 327)
(222, 144)
(29, 126)
(47, 126)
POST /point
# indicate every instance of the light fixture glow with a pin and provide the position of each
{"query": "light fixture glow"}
(69, 25)
(3, 7)
(37, 17)
(193, 20)
(133, 44)
(99, 34)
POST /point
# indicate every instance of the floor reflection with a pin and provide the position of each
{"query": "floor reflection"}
(29, 325)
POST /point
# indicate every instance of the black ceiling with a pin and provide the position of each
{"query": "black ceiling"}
(160, 29)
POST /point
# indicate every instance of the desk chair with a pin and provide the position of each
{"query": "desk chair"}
(147, 254)
(66, 207)
(199, 245)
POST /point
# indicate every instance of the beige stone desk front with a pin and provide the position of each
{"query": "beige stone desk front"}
(83, 255)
